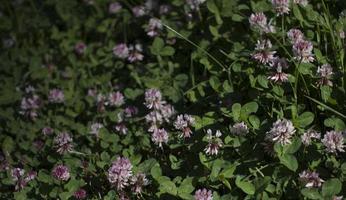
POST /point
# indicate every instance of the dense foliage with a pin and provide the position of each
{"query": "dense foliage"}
(176, 99)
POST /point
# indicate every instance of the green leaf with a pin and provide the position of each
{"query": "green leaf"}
(214, 83)
(244, 185)
(254, 121)
(156, 171)
(228, 171)
(289, 161)
(311, 193)
(293, 147)
(305, 119)
(236, 111)
(331, 187)
(167, 186)
(167, 51)
(186, 187)
(157, 46)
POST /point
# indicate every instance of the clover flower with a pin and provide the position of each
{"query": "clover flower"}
(61, 172)
(309, 135)
(310, 179)
(56, 96)
(121, 51)
(263, 54)
(139, 11)
(325, 73)
(333, 141)
(29, 106)
(154, 27)
(120, 172)
(194, 4)
(167, 111)
(138, 182)
(63, 143)
(279, 64)
(281, 131)
(203, 194)
(338, 198)
(164, 9)
(80, 48)
(115, 99)
(114, 8)
(239, 128)
(183, 123)
(159, 136)
(281, 6)
(47, 131)
(121, 128)
(95, 128)
(153, 99)
(295, 35)
(130, 111)
(154, 117)
(80, 194)
(214, 142)
(258, 21)
(302, 51)
(20, 180)
(301, 2)
(135, 53)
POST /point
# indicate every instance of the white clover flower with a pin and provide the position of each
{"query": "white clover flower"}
(281, 132)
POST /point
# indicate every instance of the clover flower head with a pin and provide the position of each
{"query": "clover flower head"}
(63, 142)
(61, 172)
(239, 128)
(159, 136)
(203, 194)
(263, 54)
(295, 35)
(309, 135)
(138, 182)
(116, 99)
(302, 51)
(121, 51)
(334, 142)
(80, 194)
(310, 179)
(114, 7)
(281, 132)
(281, 6)
(120, 172)
(56, 96)
(214, 142)
(258, 21)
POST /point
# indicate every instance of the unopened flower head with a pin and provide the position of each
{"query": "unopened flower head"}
(333, 141)
(63, 142)
(281, 6)
(61, 172)
(309, 135)
(203, 194)
(281, 132)
(159, 136)
(310, 179)
(116, 99)
(56, 96)
(239, 128)
(121, 51)
(259, 22)
(120, 172)
(263, 53)
(302, 51)
(295, 35)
